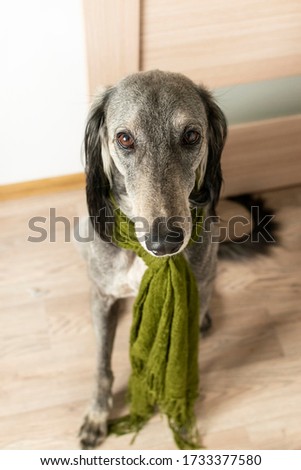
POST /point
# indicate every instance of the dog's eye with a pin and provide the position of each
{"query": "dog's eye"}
(191, 137)
(125, 140)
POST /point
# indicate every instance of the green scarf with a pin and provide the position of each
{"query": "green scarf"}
(163, 342)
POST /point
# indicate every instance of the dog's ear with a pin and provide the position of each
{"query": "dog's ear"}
(207, 189)
(97, 167)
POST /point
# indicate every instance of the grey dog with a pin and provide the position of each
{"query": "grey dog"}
(154, 142)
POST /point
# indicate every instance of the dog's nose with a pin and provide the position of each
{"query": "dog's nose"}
(163, 240)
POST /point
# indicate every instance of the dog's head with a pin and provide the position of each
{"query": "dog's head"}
(154, 140)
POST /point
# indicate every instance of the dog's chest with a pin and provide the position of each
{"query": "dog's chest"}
(135, 274)
(127, 280)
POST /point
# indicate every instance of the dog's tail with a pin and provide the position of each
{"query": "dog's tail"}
(263, 234)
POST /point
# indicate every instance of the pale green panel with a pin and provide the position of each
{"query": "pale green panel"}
(260, 100)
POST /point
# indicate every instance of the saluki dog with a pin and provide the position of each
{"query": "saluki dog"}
(153, 145)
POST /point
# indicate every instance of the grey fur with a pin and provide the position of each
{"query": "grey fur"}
(159, 178)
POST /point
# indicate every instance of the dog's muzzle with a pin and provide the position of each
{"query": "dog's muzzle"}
(162, 239)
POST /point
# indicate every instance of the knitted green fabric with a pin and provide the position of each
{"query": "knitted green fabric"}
(163, 342)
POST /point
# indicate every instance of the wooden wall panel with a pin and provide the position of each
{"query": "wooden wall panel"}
(262, 155)
(112, 40)
(222, 43)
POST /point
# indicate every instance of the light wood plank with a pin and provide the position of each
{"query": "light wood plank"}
(112, 40)
(222, 43)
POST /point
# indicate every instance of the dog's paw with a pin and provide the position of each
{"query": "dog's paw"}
(94, 429)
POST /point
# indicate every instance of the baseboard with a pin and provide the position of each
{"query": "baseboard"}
(42, 186)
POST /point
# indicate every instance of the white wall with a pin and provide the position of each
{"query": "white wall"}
(43, 88)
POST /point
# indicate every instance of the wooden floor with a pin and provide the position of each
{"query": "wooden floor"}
(250, 364)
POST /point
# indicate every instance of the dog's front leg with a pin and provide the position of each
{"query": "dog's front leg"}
(203, 260)
(105, 314)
